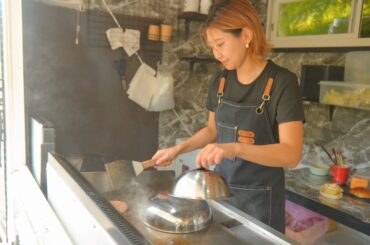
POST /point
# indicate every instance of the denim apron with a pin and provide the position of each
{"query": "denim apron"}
(257, 190)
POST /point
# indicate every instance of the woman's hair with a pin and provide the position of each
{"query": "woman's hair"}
(231, 16)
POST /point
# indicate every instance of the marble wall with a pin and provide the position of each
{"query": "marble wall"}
(349, 129)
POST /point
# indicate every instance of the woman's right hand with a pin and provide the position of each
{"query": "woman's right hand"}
(164, 157)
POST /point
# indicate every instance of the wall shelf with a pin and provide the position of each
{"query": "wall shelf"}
(194, 17)
(332, 107)
(193, 59)
(189, 17)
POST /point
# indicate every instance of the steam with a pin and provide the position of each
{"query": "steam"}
(137, 195)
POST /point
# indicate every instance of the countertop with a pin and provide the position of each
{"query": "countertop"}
(303, 188)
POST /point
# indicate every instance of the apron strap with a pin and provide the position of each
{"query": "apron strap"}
(266, 94)
(221, 88)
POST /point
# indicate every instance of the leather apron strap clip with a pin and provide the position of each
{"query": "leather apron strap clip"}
(265, 96)
(221, 88)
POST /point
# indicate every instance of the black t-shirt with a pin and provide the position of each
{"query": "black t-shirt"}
(285, 104)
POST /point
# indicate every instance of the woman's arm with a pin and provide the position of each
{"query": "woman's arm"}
(203, 137)
(287, 153)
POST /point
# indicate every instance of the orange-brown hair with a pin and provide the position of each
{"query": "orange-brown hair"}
(231, 16)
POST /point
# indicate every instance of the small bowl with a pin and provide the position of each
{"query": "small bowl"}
(171, 214)
(319, 169)
(201, 184)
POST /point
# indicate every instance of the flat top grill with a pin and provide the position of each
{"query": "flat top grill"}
(229, 225)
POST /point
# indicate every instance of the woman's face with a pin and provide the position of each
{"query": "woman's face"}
(227, 48)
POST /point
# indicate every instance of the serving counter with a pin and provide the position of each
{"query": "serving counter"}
(86, 201)
(303, 188)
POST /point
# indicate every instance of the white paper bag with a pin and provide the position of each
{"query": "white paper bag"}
(143, 86)
(163, 97)
(153, 93)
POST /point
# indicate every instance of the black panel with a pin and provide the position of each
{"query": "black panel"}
(311, 75)
(78, 89)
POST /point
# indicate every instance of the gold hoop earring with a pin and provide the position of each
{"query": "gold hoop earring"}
(247, 45)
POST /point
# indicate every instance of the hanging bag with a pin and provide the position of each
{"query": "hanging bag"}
(163, 98)
(143, 86)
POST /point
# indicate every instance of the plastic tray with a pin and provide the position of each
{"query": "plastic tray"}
(355, 95)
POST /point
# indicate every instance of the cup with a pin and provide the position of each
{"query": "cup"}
(166, 32)
(191, 6)
(154, 32)
(340, 174)
(204, 6)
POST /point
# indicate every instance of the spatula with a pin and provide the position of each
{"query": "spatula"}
(122, 172)
(141, 166)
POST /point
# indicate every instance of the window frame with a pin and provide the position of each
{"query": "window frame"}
(350, 39)
(15, 150)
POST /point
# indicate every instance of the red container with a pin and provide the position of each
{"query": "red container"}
(340, 174)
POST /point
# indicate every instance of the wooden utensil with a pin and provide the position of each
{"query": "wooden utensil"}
(328, 154)
(335, 156)
(141, 166)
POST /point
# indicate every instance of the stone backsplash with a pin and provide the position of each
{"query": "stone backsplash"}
(349, 129)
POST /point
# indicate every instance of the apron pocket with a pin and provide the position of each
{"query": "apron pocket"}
(253, 200)
(226, 133)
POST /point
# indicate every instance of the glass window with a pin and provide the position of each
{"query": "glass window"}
(314, 17)
(318, 23)
(365, 19)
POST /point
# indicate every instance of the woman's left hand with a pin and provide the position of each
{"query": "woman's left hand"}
(213, 154)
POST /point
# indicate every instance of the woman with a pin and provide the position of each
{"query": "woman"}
(255, 117)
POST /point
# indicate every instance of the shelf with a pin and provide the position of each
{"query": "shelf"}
(333, 106)
(198, 58)
(189, 17)
(193, 16)
(193, 59)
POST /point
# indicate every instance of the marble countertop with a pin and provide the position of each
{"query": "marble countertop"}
(303, 186)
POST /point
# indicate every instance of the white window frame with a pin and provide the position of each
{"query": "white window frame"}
(30, 216)
(14, 84)
(350, 39)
